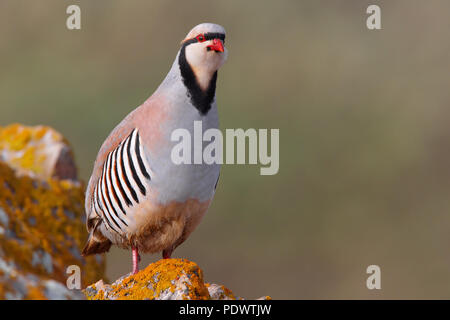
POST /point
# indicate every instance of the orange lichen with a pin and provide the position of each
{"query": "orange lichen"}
(44, 230)
(26, 148)
(35, 293)
(158, 279)
(14, 137)
(166, 279)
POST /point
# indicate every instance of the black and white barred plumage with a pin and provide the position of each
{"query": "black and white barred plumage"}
(122, 184)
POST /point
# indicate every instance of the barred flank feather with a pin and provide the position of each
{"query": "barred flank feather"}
(122, 184)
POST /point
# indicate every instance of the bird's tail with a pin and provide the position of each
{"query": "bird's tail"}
(96, 242)
(93, 246)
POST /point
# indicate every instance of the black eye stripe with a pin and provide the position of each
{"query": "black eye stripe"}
(208, 36)
(214, 35)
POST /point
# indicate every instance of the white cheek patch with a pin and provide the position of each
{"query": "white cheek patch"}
(203, 63)
(195, 55)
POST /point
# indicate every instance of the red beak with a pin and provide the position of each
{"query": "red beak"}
(217, 46)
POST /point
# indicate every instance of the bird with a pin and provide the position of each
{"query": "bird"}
(137, 197)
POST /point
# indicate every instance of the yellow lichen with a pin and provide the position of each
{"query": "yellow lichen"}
(14, 137)
(35, 293)
(26, 148)
(157, 278)
(45, 217)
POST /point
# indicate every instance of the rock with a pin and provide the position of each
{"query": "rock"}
(167, 279)
(38, 152)
(42, 220)
(218, 292)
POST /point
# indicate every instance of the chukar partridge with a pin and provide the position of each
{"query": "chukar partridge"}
(137, 197)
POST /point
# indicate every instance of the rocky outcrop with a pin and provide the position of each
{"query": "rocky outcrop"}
(42, 217)
(167, 279)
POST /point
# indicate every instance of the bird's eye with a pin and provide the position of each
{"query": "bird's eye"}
(201, 38)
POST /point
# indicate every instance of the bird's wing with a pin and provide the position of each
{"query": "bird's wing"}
(119, 179)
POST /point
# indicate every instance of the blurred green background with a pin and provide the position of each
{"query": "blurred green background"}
(364, 130)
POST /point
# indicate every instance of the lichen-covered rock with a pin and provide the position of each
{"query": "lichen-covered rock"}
(219, 292)
(39, 152)
(167, 279)
(42, 224)
(19, 285)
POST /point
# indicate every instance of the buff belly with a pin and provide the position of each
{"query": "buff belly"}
(153, 228)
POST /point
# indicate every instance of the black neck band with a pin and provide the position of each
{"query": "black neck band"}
(201, 99)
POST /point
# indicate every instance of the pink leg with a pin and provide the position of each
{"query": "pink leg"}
(136, 259)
